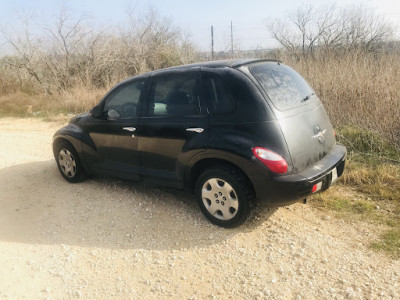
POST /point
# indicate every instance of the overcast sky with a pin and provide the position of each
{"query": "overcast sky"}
(196, 17)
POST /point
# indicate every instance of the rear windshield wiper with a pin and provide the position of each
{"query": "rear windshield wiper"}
(307, 97)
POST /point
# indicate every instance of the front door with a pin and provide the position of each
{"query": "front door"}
(113, 134)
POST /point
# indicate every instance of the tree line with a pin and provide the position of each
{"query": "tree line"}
(71, 52)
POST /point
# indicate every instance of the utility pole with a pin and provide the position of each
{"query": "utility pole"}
(212, 42)
(232, 38)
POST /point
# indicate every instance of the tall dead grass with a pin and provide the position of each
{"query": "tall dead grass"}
(74, 101)
(358, 89)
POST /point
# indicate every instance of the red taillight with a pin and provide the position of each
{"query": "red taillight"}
(316, 187)
(334, 133)
(273, 161)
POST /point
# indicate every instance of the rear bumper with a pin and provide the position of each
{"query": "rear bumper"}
(284, 190)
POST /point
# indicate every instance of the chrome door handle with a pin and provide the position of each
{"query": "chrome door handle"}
(198, 130)
(131, 129)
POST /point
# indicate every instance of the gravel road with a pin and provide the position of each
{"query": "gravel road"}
(111, 239)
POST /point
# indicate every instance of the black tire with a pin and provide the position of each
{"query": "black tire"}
(68, 162)
(225, 195)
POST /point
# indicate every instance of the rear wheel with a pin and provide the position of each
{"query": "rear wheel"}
(68, 162)
(224, 195)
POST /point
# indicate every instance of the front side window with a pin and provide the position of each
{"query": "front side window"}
(123, 102)
(218, 99)
(174, 95)
(284, 86)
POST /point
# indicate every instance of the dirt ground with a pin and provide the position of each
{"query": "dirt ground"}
(111, 239)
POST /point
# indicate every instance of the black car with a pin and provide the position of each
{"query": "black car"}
(236, 132)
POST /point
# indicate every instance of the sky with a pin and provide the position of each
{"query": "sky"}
(194, 17)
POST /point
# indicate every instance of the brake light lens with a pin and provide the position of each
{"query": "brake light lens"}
(272, 160)
(316, 187)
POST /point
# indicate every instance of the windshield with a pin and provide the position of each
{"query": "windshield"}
(284, 86)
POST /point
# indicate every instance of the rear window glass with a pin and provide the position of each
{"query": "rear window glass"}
(284, 86)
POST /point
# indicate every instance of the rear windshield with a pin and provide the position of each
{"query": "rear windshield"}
(284, 86)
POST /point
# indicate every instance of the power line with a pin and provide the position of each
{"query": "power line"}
(212, 42)
(232, 38)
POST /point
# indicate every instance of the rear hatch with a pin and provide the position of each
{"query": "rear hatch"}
(304, 122)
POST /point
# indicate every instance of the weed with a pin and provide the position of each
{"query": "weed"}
(390, 242)
(370, 143)
(369, 190)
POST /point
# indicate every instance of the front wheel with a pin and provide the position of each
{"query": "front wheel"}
(68, 162)
(224, 196)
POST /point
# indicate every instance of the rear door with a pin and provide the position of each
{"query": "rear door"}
(113, 134)
(303, 120)
(174, 127)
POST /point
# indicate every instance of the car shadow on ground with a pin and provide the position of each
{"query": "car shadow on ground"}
(38, 206)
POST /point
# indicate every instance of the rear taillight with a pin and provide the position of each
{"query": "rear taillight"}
(273, 161)
(316, 187)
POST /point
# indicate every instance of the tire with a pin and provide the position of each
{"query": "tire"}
(224, 195)
(68, 162)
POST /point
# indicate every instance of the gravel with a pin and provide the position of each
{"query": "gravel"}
(106, 238)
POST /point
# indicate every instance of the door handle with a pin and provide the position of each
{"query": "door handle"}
(198, 130)
(131, 129)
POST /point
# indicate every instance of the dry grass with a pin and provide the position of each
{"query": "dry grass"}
(74, 101)
(390, 242)
(358, 89)
(369, 190)
(81, 99)
(362, 96)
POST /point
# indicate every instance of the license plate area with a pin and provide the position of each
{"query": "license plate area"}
(334, 175)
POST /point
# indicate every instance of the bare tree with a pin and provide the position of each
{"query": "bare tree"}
(364, 29)
(68, 52)
(26, 51)
(309, 28)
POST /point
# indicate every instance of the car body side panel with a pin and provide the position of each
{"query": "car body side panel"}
(240, 138)
(277, 191)
(76, 136)
(165, 146)
(115, 151)
(71, 133)
(167, 141)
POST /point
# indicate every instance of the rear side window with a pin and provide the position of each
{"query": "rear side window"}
(217, 96)
(284, 86)
(174, 95)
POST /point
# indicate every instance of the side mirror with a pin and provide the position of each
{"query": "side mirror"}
(96, 112)
(112, 114)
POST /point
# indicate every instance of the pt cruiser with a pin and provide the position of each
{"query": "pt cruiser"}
(237, 132)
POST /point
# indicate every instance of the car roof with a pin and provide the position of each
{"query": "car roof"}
(228, 63)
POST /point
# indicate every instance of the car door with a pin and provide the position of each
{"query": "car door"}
(174, 127)
(113, 134)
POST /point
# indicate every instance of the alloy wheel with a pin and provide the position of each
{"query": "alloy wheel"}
(67, 163)
(220, 199)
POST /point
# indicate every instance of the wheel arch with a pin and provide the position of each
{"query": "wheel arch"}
(72, 135)
(57, 140)
(202, 164)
